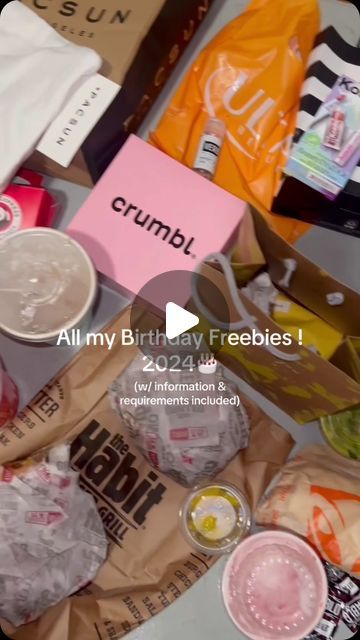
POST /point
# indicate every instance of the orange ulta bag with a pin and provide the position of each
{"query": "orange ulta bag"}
(250, 77)
(318, 497)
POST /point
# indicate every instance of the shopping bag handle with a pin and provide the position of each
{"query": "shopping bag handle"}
(247, 320)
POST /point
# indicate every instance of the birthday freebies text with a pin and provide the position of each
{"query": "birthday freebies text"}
(129, 337)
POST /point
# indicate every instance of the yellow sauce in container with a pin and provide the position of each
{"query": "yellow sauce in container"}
(215, 518)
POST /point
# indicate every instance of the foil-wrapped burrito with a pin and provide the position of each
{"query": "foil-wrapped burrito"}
(52, 540)
(187, 424)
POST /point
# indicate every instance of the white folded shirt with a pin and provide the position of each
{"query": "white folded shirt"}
(39, 71)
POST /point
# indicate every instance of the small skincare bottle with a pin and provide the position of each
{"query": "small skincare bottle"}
(209, 148)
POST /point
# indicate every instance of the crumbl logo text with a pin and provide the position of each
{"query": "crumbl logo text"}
(174, 237)
(108, 472)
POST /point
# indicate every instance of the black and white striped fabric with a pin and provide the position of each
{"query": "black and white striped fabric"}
(331, 57)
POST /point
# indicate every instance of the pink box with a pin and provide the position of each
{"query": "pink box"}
(149, 214)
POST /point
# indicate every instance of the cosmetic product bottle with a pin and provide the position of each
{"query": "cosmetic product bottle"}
(326, 110)
(348, 150)
(210, 148)
(335, 130)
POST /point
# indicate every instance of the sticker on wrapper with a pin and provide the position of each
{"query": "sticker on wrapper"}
(10, 216)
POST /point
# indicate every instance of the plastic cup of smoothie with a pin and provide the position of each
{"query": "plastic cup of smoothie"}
(47, 284)
(275, 587)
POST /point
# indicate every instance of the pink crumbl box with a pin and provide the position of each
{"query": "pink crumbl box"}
(149, 214)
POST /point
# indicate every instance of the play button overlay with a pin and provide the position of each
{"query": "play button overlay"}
(168, 322)
(178, 320)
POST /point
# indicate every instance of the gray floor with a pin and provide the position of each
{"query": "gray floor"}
(199, 614)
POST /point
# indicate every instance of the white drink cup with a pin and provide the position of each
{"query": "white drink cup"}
(47, 284)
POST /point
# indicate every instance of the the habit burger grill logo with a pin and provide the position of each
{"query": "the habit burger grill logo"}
(175, 238)
(123, 498)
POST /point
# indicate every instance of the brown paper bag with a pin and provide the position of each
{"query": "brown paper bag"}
(140, 44)
(310, 387)
(347, 358)
(149, 564)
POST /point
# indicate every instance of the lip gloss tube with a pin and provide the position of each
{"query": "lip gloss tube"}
(325, 111)
(348, 151)
(335, 130)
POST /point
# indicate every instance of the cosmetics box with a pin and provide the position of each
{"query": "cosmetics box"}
(149, 214)
(331, 58)
(140, 44)
(25, 203)
(298, 200)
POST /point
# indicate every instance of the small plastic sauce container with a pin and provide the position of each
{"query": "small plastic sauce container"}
(47, 284)
(215, 518)
(275, 587)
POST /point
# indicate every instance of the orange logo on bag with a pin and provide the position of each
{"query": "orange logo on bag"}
(326, 522)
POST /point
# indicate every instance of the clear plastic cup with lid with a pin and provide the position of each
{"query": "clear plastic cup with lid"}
(215, 517)
(48, 284)
(275, 587)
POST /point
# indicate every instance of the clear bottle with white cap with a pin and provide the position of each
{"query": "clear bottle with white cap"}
(209, 149)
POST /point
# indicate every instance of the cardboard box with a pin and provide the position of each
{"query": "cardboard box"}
(298, 200)
(149, 214)
(332, 57)
(27, 204)
(140, 43)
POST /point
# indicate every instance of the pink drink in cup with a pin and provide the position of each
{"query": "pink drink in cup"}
(275, 587)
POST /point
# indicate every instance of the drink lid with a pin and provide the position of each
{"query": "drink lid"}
(215, 517)
(342, 431)
(47, 284)
(275, 587)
